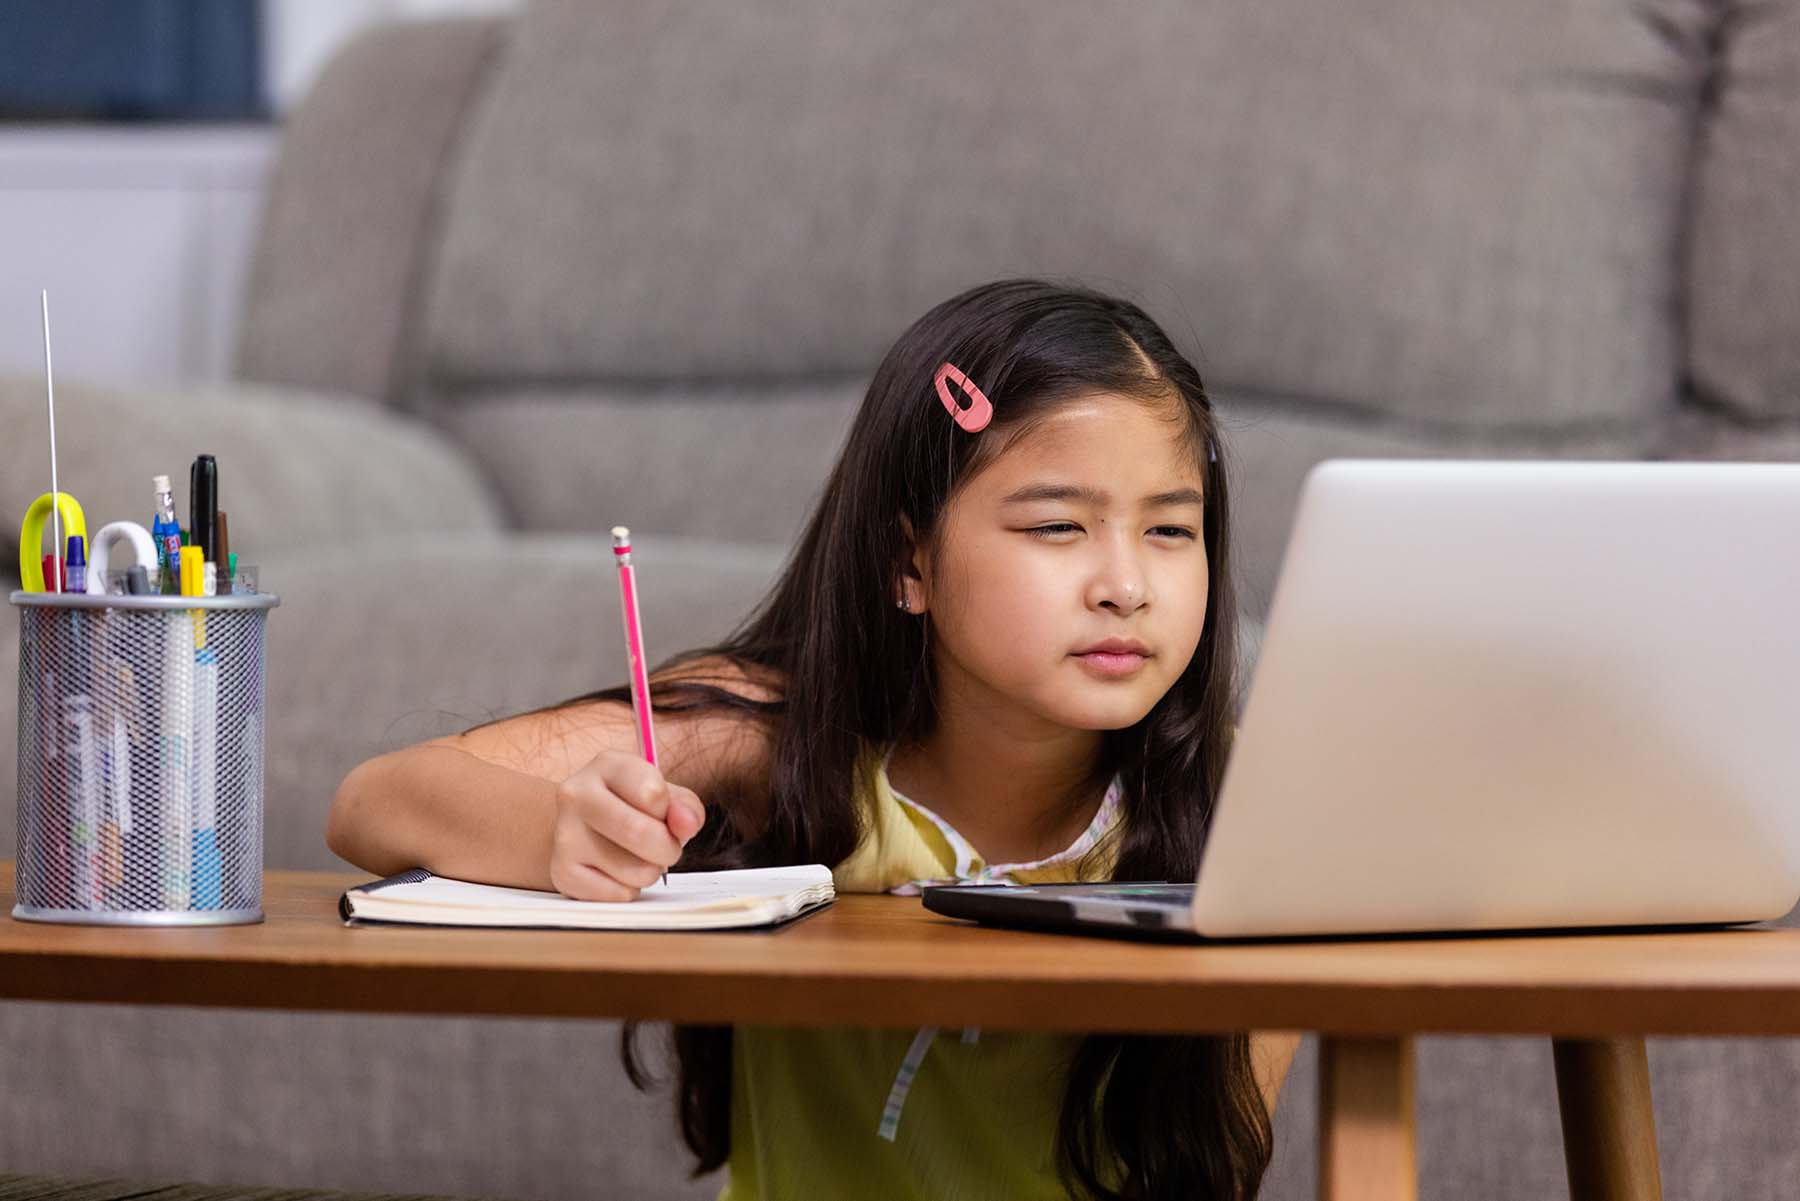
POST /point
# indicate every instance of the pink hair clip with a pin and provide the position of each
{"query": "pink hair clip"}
(980, 411)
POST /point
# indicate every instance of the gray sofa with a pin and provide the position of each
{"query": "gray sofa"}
(521, 279)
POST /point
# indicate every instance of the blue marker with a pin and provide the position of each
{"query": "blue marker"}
(167, 533)
(75, 566)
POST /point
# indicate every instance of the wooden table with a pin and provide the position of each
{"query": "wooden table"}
(885, 961)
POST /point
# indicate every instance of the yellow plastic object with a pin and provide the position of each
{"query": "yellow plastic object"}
(31, 536)
(193, 571)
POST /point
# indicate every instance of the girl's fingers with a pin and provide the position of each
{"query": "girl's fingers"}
(585, 882)
(622, 865)
(638, 783)
(682, 822)
(621, 825)
(609, 818)
(686, 813)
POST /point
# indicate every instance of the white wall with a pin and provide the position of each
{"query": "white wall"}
(142, 237)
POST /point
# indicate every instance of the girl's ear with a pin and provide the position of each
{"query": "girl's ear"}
(910, 588)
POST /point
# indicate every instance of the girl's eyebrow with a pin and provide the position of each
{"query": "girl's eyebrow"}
(1099, 497)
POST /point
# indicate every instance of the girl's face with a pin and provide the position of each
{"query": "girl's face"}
(1087, 530)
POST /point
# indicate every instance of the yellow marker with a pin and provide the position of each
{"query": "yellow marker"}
(193, 583)
(192, 564)
(31, 536)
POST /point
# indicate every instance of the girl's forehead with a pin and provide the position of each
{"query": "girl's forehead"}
(1101, 435)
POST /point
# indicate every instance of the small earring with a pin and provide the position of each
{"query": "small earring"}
(902, 603)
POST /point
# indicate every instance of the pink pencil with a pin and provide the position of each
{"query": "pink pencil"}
(634, 646)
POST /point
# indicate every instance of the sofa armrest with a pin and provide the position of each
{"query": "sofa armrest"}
(333, 296)
(294, 467)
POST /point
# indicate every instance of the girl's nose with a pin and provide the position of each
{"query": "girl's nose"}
(1119, 582)
(1126, 598)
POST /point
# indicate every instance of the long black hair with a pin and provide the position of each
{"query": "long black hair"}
(1142, 1116)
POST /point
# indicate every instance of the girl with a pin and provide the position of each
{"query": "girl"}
(1004, 647)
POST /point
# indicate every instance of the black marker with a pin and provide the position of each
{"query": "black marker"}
(203, 505)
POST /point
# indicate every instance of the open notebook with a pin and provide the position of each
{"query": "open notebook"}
(764, 896)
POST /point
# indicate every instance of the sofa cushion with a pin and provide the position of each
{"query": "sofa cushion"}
(1466, 212)
(1714, 437)
(1272, 444)
(727, 462)
(1744, 254)
(294, 467)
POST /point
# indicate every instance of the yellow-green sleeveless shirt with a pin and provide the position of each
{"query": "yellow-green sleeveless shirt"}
(879, 1114)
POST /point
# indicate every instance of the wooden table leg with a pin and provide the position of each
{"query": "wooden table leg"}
(1609, 1127)
(1366, 1133)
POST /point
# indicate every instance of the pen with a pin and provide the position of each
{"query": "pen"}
(203, 744)
(208, 873)
(222, 556)
(116, 825)
(82, 760)
(634, 647)
(203, 503)
(178, 742)
(133, 774)
(167, 532)
(54, 829)
(177, 679)
(49, 711)
(75, 577)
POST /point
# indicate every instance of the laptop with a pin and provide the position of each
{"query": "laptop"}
(1501, 696)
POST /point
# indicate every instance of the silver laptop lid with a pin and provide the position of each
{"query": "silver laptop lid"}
(1503, 695)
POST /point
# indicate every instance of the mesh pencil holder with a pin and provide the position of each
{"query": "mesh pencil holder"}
(141, 758)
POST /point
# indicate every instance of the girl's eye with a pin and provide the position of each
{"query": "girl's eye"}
(1063, 527)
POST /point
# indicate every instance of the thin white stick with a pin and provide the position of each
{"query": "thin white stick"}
(56, 546)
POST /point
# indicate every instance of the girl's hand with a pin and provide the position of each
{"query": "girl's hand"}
(619, 826)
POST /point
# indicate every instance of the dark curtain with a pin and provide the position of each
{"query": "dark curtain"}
(131, 60)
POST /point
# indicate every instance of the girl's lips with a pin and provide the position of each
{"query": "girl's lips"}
(1112, 664)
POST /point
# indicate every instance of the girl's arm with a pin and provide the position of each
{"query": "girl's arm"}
(483, 805)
